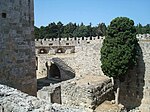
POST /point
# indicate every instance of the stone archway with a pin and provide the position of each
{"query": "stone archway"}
(60, 50)
(54, 72)
(42, 51)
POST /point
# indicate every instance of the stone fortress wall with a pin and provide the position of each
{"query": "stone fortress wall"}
(85, 61)
(74, 59)
(135, 90)
(88, 88)
(75, 52)
(17, 48)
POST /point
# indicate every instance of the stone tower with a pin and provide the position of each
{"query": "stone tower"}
(17, 57)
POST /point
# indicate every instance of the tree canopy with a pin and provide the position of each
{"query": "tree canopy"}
(119, 50)
(59, 30)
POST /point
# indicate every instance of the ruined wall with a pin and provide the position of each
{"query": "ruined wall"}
(17, 57)
(87, 92)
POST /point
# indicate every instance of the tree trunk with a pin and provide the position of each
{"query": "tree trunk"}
(112, 80)
(117, 91)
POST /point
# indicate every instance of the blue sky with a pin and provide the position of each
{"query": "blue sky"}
(86, 11)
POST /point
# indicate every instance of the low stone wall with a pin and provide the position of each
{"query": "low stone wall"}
(12, 100)
(87, 92)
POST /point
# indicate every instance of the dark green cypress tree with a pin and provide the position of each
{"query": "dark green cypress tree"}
(119, 50)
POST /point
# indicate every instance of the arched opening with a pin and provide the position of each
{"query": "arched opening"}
(60, 50)
(43, 51)
(54, 72)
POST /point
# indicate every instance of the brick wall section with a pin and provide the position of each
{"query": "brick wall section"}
(17, 57)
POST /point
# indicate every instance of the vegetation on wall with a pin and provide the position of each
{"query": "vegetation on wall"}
(119, 51)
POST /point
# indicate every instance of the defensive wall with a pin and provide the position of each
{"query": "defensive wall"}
(135, 91)
(85, 60)
(73, 62)
(81, 54)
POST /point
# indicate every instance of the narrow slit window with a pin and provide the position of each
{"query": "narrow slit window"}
(50, 44)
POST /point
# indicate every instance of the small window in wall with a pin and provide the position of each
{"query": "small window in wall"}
(4, 15)
(67, 43)
(50, 44)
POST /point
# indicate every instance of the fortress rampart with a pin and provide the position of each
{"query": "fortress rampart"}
(75, 41)
(85, 60)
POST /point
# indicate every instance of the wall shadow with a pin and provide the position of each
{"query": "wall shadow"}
(131, 90)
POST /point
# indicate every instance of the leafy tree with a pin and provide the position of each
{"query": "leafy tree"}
(37, 32)
(59, 29)
(69, 29)
(43, 32)
(143, 29)
(101, 29)
(119, 50)
(147, 29)
(139, 28)
(81, 31)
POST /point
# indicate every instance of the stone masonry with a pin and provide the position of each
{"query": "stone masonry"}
(83, 57)
(12, 100)
(135, 91)
(17, 48)
(88, 92)
(72, 64)
(84, 60)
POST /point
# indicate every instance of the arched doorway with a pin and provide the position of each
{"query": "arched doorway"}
(54, 72)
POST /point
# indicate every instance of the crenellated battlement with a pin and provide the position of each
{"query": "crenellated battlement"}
(74, 41)
(143, 36)
(65, 45)
(70, 39)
